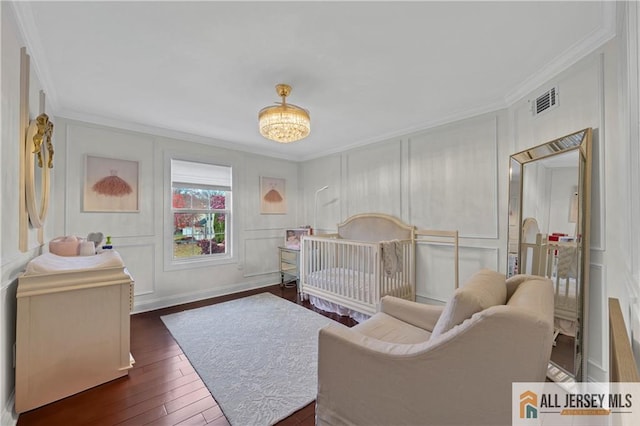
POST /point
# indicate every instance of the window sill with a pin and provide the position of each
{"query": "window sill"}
(190, 263)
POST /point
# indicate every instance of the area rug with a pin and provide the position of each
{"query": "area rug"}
(257, 355)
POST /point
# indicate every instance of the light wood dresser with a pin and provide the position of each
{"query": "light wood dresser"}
(72, 326)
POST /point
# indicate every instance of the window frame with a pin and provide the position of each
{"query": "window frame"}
(171, 263)
(226, 212)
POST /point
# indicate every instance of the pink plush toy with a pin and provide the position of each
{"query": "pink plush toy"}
(65, 246)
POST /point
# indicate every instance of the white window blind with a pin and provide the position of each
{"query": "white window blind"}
(193, 174)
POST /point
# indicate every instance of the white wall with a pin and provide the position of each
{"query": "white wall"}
(455, 177)
(450, 177)
(144, 238)
(626, 169)
(11, 258)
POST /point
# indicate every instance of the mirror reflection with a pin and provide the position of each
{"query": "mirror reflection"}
(548, 216)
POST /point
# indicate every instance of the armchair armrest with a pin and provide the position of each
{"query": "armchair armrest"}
(460, 378)
(417, 314)
(365, 381)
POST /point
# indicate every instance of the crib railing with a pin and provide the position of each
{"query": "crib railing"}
(351, 273)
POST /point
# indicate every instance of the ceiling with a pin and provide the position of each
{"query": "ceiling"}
(366, 71)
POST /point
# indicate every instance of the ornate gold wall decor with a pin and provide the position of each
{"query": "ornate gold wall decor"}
(43, 135)
(37, 179)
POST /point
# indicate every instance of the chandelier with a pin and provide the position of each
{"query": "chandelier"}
(284, 122)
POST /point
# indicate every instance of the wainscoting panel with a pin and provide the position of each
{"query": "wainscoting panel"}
(453, 178)
(318, 173)
(435, 276)
(634, 317)
(373, 179)
(434, 268)
(140, 261)
(261, 255)
(598, 331)
(7, 340)
(104, 143)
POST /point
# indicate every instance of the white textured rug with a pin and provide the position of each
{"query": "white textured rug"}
(257, 355)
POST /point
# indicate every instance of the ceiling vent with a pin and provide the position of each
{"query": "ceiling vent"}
(546, 101)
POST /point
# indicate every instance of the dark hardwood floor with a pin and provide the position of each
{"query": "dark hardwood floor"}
(562, 353)
(162, 388)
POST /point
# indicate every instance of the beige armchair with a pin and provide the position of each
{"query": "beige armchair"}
(417, 364)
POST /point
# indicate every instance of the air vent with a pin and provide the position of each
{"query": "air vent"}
(546, 101)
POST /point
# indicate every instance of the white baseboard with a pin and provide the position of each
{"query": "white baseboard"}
(8, 417)
(159, 303)
(596, 373)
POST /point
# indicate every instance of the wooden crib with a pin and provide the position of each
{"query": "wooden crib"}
(371, 256)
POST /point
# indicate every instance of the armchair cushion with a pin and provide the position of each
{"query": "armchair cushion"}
(484, 289)
(417, 314)
(391, 330)
(514, 282)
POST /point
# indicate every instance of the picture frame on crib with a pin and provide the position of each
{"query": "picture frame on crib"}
(293, 237)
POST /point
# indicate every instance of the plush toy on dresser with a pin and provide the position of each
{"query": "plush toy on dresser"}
(76, 246)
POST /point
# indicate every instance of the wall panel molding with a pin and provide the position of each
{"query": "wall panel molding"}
(265, 250)
(374, 170)
(137, 147)
(140, 260)
(454, 178)
(438, 284)
(598, 320)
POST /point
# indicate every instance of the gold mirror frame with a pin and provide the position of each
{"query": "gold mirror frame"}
(581, 142)
(38, 154)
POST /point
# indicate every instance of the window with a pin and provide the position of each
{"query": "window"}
(201, 209)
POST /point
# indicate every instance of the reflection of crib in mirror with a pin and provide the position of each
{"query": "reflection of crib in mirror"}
(551, 257)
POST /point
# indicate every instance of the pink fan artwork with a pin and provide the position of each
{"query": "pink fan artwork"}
(112, 186)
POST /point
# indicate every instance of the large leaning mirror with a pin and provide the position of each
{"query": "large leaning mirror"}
(549, 204)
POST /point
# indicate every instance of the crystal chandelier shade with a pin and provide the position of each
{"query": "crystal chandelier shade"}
(284, 122)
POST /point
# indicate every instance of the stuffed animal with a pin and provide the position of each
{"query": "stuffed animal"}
(96, 237)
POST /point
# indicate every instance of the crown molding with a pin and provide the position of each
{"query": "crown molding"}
(30, 34)
(168, 133)
(573, 54)
(458, 115)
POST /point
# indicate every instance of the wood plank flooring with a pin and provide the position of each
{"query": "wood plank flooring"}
(162, 388)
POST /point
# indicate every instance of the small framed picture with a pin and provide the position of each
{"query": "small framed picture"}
(273, 198)
(294, 236)
(110, 185)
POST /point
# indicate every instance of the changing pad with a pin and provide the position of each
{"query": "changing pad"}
(49, 263)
